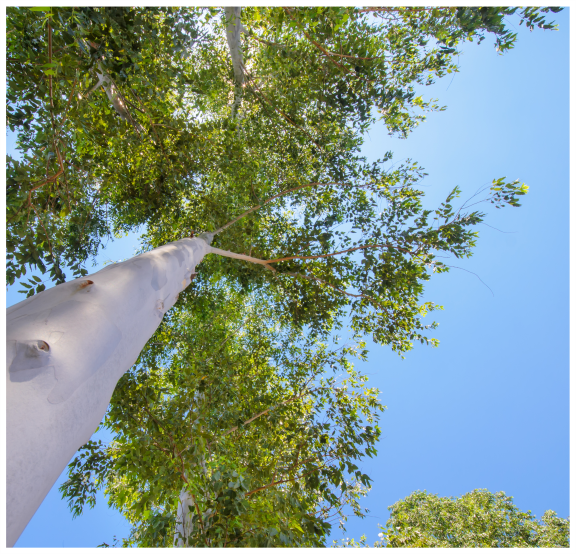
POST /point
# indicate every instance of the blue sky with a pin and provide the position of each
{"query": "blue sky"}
(489, 408)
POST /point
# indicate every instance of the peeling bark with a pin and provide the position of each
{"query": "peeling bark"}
(184, 519)
(66, 349)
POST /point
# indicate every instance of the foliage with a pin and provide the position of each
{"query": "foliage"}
(345, 235)
(163, 146)
(476, 519)
(240, 413)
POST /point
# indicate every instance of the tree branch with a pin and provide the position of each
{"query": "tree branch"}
(197, 509)
(45, 232)
(348, 56)
(48, 179)
(326, 52)
(228, 254)
(386, 245)
(166, 451)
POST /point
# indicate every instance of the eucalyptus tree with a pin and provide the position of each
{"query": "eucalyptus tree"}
(232, 430)
(68, 345)
(138, 116)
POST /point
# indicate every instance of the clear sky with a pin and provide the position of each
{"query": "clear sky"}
(489, 408)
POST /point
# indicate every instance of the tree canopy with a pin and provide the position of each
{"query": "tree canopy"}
(124, 119)
(478, 519)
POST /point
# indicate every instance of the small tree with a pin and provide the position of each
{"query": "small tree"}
(476, 519)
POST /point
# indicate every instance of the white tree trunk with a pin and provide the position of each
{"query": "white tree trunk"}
(233, 30)
(184, 519)
(66, 349)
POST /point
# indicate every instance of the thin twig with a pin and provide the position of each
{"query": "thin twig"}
(50, 60)
(165, 450)
(45, 232)
(47, 180)
(284, 481)
(374, 9)
(348, 56)
(65, 114)
(318, 45)
(312, 278)
(291, 399)
(475, 274)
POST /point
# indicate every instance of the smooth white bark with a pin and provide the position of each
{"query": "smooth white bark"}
(228, 254)
(66, 349)
(233, 31)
